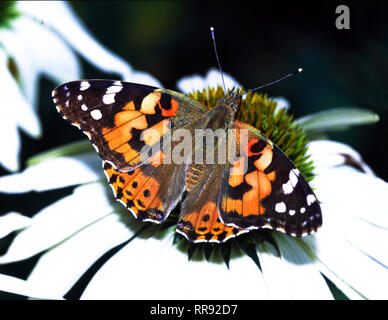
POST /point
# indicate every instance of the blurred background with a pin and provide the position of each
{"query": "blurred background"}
(257, 42)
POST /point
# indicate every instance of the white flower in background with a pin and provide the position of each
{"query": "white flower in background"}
(75, 231)
(43, 38)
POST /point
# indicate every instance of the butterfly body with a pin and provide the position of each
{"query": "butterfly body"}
(259, 188)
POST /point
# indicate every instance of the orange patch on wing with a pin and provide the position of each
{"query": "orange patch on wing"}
(238, 167)
(251, 197)
(149, 102)
(205, 222)
(248, 148)
(146, 194)
(172, 111)
(156, 132)
(126, 116)
(265, 160)
(130, 106)
(271, 176)
(120, 135)
(232, 205)
(235, 180)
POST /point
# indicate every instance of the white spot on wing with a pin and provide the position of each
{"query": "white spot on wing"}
(96, 114)
(79, 97)
(84, 107)
(84, 85)
(111, 91)
(289, 186)
(280, 207)
(302, 210)
(292, 212)
(310, 199)
(108, 98)
(114, 88)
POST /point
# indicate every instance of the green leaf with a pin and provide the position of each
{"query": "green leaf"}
(7, 13)
(73, 148)
(337, 119)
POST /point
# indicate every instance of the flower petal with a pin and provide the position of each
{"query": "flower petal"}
(351, 242)
(143, 78)
(21, 287)
(27, 74)
(15, 112)
(61, 220)
(212, 79)
(48, 53)
(293, 275)
(326, 153)
(281, 102)
(11, 222)
(54, 173)
(155, 269)
(54, 275)
(59, 16)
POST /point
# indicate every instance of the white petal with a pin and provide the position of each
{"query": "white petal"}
(48, 53)
(10, 145)
(351, 242)
(142, 78)
(345, 192)
(54, 173)
(156, 269)
(293, 275)
(326, 153)
(15, 112)
(21, 287)
(212, 79)
(357, 270)
(62, 266)
(281, 103)
(27, 72)
(14, 106)
(61, 220)
(12, 221)
(59, 16)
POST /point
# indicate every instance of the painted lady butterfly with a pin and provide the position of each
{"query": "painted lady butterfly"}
(215, 204)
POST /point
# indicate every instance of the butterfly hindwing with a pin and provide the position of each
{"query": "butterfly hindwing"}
(147, 191)
(199, 219)
(270, 193)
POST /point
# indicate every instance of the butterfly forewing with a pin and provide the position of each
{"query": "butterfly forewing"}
(114, 114)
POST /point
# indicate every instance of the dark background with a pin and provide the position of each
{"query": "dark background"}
(257, 42)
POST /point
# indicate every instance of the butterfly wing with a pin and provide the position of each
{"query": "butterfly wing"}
(120, 118)
(269, 193)
(116, 116)
(199, 219)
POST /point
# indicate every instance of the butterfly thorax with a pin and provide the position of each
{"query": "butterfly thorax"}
(223, 114)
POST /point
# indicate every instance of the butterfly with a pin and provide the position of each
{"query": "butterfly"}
(218, 201)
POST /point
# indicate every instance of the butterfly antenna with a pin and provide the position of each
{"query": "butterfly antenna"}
(218, 60)
(299, 70)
